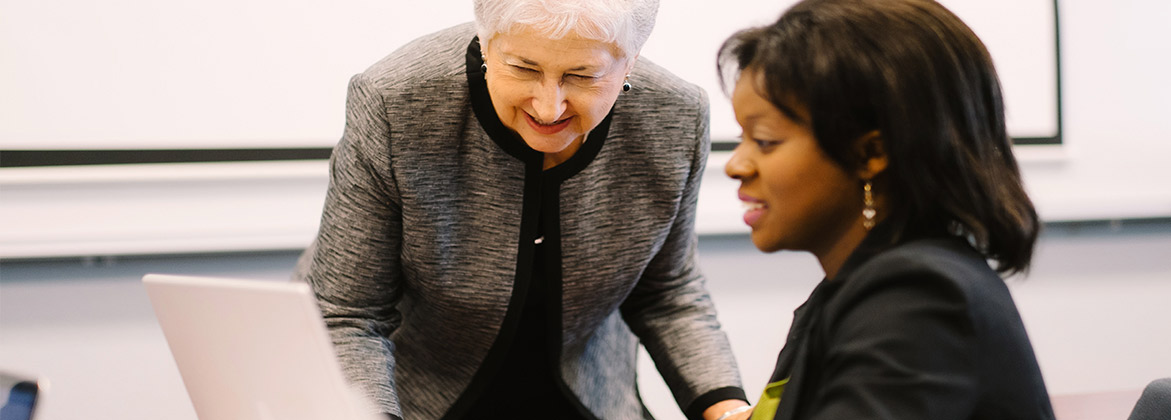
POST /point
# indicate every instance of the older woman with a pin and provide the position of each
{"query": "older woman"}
(511, 212)
(875, 139)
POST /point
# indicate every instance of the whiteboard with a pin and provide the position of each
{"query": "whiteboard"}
(211, 74)
(1021, 35)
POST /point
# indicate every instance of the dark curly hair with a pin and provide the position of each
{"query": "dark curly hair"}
(914, 72)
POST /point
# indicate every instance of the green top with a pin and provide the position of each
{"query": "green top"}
(766, 408)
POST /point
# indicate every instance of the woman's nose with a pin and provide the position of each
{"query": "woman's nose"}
(738, 166)
(549, 101)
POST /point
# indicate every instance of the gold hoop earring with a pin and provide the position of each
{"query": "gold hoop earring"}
(868, 211)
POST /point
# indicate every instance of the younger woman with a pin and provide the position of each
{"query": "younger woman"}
(874, 138)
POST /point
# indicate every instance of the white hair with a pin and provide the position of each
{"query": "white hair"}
(626, 23)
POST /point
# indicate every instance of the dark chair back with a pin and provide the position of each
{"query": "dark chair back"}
(1155, 403)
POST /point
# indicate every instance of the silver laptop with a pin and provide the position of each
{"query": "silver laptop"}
(252, 350)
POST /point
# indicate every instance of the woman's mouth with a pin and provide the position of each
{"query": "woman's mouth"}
(547, 129)
(753, 209)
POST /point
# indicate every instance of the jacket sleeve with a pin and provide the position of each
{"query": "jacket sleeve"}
(671, 310)
(353, 264)
(898, 346)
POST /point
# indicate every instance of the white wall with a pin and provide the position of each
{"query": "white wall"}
(1114, 57)
(253, 73)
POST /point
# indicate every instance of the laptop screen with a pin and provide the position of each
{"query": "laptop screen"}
(251, 350)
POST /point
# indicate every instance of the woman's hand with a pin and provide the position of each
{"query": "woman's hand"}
(728, 410)
(745, 415)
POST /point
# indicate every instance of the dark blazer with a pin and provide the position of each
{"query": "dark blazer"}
(920, 330)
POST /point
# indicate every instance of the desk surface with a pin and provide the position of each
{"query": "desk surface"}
(1110, 405)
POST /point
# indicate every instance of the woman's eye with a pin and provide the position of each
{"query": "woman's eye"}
(762, 144)
(580, 79)
(766, 144)
(524, 69)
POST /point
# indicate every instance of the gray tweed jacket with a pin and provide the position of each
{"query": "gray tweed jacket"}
(429, 224)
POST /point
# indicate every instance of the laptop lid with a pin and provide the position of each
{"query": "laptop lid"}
(252, 350)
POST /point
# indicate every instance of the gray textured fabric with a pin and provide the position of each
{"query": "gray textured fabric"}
(416, 256)
(1155, 402)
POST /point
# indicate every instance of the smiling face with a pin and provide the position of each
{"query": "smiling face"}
(553, 91)
(797, 198)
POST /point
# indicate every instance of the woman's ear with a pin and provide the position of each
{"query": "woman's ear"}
(871, 151)
(630, 64)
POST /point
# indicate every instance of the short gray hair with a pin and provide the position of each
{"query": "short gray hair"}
(626, 23)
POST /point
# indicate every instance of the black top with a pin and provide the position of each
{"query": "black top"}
(521, 376)
(527, 384)
(920, 330)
